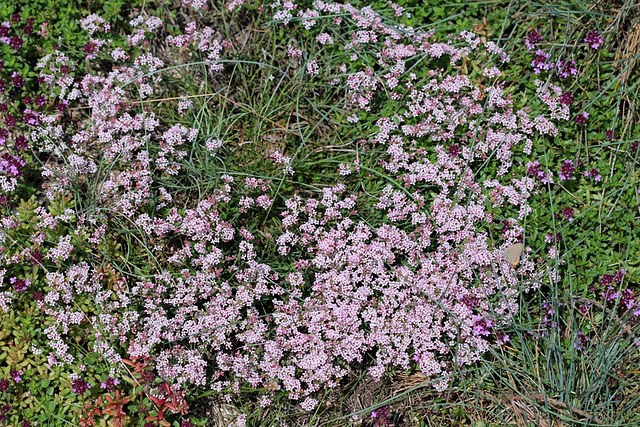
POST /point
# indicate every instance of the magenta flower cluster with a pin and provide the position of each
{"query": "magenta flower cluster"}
(535, 170)
(581, 119)
(566, 69)
(593, 39)
(18, 112)
(533, 38)
(541, 62)
(566, 170)
(79, 386)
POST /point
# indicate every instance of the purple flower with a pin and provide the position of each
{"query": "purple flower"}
(550, 311)
(581, 341)
(18, 80)
(3, 85)
(4, 135)
(110, 384)
(539, 62)
(628, 299)
(19, 285)
(470, 301)
(27, 30)
(593, 39)
(16, 375)
(535, 170)
(566, 68)
(566, 98)
(566, 170)
(36, 257)
(593, 173)
(4, 385)
(581, 118)
(10, 120)
(16, 42)
(30, 118)
(482, 326)
(381, 416)
(619, 276)
(11, 165)
(147, 377)
(533, 38)
(5, 29)
(454, 150)
(15, 18)
(567, 213)
(80, 386)
(21, 143)
(610, 136)
(501, 338)
(90, 47)
(549, 238)
(40, 100)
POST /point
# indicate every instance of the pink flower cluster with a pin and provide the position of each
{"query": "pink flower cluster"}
(422, 286)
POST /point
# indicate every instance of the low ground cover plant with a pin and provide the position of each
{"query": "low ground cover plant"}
(258, 202)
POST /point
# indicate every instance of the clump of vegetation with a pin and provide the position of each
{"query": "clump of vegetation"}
(246, 213)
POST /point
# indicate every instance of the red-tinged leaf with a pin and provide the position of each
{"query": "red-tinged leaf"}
(157, 400)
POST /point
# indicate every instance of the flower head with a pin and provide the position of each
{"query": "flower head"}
(581, 118)
(80, 386)
(110, 384)
(566, 98)
(16, 43)
(18, 80)
(593, 39)
(454, 150)
(533, 38)
(540, 62)
(567, 213)
(16, 375)
(19, 285)
(566, 68)
(5, 29)
(593, 173)
(566, 170)
(581, 341)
